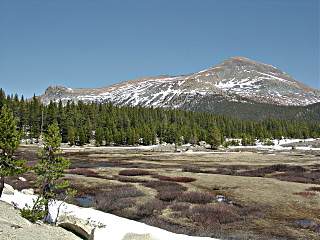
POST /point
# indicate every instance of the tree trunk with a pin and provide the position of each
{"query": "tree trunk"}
(1, 184)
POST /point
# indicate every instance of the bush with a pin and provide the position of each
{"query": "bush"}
(291, 177)
(130, 179)
(194, 169)
(165, 185)
(179, 206)
(110, 205)
(151, 208)
(176, 179)
(84, 172)
(305, 194)
(134, 172)
(159, 223)
(196, 197)
(123, 193)
(167, 196)
(116, 199)
(317, 189)
(208, 215)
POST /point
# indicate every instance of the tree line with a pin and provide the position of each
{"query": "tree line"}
(106, 124)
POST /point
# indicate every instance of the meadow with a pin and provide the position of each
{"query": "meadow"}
(230, 194)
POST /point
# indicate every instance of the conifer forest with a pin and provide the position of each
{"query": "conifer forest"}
(108, 125)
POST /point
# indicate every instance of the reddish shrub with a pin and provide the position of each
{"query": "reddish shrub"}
(130, 179)
(155, 221)
(123, 193)
(176, 179)
(317, 189)
(84, 172)
(293, 177)
(179, 206)
(116, 199)
(305, 194)
(134, 172)
(171, 188)
(208, 215)
(196, 197)
(223, 171)
(151, 208)
(110, 205)
(167, 196)
(162, 185)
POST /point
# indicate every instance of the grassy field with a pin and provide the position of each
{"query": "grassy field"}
(261, 195)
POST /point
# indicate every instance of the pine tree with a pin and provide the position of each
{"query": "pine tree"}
(9, 142)
(213, 136)
(99, 136)
(51, 167)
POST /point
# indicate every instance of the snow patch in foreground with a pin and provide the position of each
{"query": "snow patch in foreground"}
(116, 227)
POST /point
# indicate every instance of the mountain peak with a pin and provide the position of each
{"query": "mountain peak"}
(233, 79)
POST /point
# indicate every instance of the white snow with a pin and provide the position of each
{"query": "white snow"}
(116, 227)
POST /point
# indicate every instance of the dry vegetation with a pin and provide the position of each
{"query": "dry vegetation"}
(265, 196)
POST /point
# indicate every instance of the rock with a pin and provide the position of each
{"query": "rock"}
(9, 190)
(22, 179)
(14, 227)
(79, 226)
(135, 236)
(28, 191)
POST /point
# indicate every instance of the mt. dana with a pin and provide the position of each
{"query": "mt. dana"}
(236, 79)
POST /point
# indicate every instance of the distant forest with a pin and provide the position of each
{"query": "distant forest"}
(109, 125)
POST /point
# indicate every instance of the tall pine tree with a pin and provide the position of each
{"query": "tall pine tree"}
(9, 142)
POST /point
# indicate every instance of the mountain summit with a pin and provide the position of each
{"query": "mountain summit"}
(233, 80)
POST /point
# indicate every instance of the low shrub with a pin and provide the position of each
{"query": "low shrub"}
(208, 215)
(116, 199)
(157, 222)
(134, 172)
(150, 208)
(180, 206)
(176, 179)
(84, 172)
(291, 177)
(165, 185)
(110, 205)
(223, 171)
(252, 173)
(167, 196)
(130, 179)
(123, 193)
(305, 194)
(196, 197)
(171, 188)
(194, 169)
(317, 189)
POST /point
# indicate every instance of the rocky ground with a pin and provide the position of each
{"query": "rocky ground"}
(14, 227)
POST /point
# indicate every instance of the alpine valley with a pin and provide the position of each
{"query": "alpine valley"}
(238, 87)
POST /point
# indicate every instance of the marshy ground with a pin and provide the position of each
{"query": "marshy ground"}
(266, 194)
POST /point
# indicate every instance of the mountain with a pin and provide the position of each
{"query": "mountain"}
(235, 80)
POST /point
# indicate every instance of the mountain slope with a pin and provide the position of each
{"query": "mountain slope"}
(237, 79)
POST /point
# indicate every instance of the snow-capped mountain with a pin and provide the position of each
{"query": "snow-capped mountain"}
(235, 79)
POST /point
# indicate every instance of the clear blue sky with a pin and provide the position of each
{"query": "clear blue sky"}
(93, 44)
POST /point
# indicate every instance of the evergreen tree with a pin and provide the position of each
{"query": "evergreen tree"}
(9, 142)
(71, 137)
(99, 136)
(213, 136)
(51, 168)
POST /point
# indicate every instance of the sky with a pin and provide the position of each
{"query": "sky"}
(97, 43)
